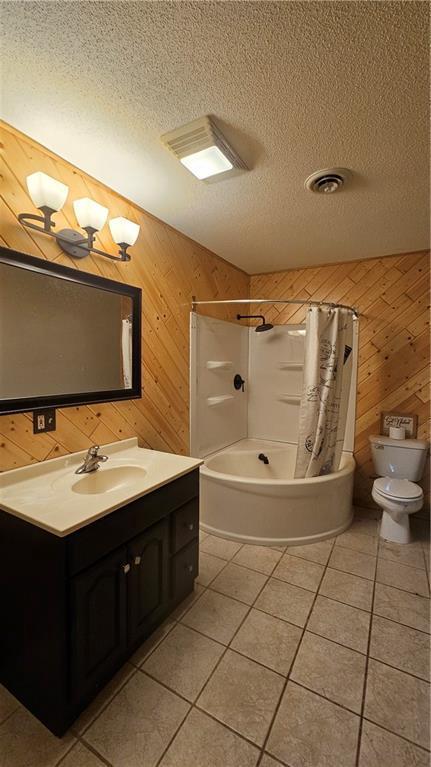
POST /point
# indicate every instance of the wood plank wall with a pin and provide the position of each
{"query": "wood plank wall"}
(392, 294)
(169, 268)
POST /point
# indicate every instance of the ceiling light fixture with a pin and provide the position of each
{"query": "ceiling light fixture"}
(202, 149)
(49, 195)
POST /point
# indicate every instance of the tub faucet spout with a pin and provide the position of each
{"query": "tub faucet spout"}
(264, 458)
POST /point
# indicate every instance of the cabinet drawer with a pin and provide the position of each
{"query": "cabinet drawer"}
(184, 570)
(185, 525)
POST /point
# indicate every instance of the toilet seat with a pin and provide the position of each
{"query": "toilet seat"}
(397, 489)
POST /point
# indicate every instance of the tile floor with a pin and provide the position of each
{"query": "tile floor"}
(317, 656)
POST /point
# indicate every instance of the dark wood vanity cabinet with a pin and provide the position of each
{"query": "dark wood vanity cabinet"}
(79, 606)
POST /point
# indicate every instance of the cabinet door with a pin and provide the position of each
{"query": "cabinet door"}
(99, 622)
(148, 583)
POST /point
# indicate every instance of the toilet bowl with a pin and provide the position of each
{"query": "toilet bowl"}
(399, 464)
(397, 498)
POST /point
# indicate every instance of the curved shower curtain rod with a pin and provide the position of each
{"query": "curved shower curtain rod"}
(195, 303)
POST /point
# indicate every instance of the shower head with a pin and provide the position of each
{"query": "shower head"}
(260, 328)
(264, 326)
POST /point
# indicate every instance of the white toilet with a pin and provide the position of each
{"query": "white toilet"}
(399, 463)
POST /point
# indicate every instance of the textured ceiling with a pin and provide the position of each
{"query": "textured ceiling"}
(296, 86)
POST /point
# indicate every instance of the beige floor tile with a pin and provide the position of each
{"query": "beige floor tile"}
(203, 742)
(202, 536)
(397, 701)
(136, 727)
(333, 671)
(8, 703)
(357, 541)
(268, 761)
(341, 623)
(268, 640)
(186, 604)
(239, 583)
(243, 695)
(402, 577)
(153, 640)
(103, 698)
(184, 661)
(285, 601)
(408, 554)
(310, 731)
(403, 607)
(81, 756)
(299, 572)
(260, 558)
(216, 616)
(364, 512)
(315, 552)
(354, 562)
(380, 748)
(209, 567)
(25, 742)
(347, 588)
(366, 525)
(220, 547)
(400, 646)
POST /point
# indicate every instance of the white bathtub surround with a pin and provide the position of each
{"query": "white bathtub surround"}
(247, 501)
(326, 386)
(50, 495)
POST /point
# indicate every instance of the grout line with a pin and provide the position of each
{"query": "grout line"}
(277, 708)
(397, 734)
(194, 704)
(365, 682)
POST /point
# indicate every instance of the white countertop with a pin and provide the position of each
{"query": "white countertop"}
(44, 495)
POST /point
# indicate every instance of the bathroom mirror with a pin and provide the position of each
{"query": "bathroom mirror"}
(66, 337)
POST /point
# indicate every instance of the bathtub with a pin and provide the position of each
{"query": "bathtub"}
(245, 500)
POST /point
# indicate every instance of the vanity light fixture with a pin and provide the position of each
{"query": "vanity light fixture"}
(202, 149)
(49, 195)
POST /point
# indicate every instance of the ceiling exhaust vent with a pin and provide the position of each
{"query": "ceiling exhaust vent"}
(327, 181)
(201, 148)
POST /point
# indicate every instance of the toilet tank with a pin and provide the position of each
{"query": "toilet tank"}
(399, 458)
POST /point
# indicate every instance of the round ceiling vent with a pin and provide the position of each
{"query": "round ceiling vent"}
(327, 181)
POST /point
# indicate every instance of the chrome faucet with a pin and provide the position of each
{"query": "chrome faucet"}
(91, 461)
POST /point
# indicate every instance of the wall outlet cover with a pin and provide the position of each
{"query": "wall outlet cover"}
(43, 420)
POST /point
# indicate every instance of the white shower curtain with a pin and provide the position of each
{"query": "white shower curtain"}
(326, 387)
(126, 350)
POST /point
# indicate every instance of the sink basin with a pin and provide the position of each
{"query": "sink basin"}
(107, 480)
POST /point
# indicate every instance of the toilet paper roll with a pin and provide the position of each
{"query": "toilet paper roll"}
(397, 432)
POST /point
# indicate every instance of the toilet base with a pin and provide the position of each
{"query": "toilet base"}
(395, 531)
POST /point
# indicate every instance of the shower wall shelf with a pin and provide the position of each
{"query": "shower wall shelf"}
(220, 400)
(291, 365)
(219, 365)
(293, 399)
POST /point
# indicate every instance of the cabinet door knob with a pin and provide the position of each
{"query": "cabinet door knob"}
(137, 560)
(191, 526)
(189, 568)
(126, 568)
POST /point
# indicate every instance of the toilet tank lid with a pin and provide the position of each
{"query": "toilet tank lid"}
(381, 439)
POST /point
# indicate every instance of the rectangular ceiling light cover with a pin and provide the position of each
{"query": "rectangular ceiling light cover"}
(202, 148)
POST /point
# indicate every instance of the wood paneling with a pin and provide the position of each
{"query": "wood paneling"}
(169, 268)
(392, 294)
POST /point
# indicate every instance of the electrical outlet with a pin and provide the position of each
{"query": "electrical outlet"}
(43, 420)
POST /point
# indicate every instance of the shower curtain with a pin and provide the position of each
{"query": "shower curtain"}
(327, 375)
(126, 353)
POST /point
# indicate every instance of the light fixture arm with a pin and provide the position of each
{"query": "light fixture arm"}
(69, 240)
